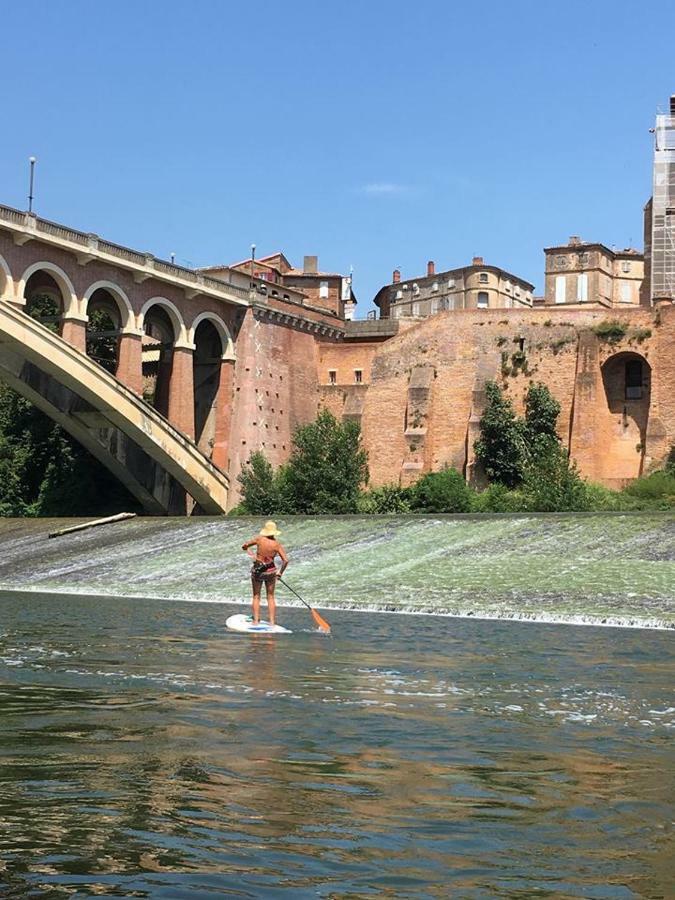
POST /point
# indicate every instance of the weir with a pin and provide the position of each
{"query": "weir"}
(611, 569)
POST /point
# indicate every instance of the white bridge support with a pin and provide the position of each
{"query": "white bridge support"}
(157, 463)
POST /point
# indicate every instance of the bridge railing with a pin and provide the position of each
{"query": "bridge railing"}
(95, 246)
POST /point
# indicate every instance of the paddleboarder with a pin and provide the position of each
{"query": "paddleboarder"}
(264, 569)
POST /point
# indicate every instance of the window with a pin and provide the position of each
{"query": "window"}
(332, 376)
(483, 277)
(416, 309)
(626, 292)
(416, 288)
(582, 288)
(358, 376)
(323, 289)
(434, 286)
(451, 282)
(483, 300)
(435, 305)
(560, 288)
(507, 286)
(633, 379)
(625, 266)
(399, 294)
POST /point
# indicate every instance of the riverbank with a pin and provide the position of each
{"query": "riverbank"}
(593, 569)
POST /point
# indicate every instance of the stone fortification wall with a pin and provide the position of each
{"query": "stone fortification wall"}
(421, 407)
(275, 391)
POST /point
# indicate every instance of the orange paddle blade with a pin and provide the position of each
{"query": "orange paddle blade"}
(321, 623)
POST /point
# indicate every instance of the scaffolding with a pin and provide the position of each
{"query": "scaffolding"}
(663, 207)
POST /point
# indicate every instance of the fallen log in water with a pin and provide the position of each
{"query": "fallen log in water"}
(93, 524)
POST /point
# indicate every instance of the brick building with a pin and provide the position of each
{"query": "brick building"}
(478, 286)
(324, 290)
(580, 272)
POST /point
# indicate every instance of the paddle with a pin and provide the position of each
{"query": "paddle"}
(321, 623)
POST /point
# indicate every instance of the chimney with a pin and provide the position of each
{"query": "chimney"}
(477, 261)
(672, 104)
(431, 268)
(396, 277)
(310, 265)
(574, 240)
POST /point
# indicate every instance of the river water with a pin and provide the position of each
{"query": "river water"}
(145, 751)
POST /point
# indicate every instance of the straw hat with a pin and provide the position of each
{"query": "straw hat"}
(270, 529)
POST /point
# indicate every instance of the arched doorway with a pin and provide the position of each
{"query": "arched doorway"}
(103, 329)
(157, 357)
(208, 356)
(626, 379)
(44, 300)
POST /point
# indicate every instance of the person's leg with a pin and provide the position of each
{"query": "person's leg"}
(270, 584)
(256, 585)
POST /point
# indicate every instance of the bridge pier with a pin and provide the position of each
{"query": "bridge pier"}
(74, 331)
(130, 361)
(221, 438)
(181, 391)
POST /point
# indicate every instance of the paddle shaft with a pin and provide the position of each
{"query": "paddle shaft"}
(279, 578)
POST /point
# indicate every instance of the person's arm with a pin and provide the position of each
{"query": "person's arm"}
(284, 559)
(249, 544)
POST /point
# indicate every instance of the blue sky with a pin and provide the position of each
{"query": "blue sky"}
(374, 134)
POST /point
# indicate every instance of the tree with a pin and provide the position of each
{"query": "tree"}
(259, 486)
(44, 472)
(500, 448)
(541, 414)
(441, 492)
(551, 482)
(327, 467)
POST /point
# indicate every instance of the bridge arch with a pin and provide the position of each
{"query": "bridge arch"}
(212, 364)
(118, 296)
(173, 313)
(108, 314)
(164, 332)
(222, 329)
(63, 282)
(147, 453)
(6, 281)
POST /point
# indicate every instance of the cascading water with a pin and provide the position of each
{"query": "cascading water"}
(594, 568)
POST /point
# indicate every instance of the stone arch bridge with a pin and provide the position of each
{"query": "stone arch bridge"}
(167, 376)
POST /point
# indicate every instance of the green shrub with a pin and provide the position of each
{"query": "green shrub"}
(260, 487)
(656, 490)
(611, 330)
(441, 492)
(541, 414)
(497, 498)
(500, 446)
(390, 498)
(552, 483)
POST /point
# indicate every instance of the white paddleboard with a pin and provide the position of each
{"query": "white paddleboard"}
(243, 623)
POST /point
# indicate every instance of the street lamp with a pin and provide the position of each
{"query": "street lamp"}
(30, 188)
